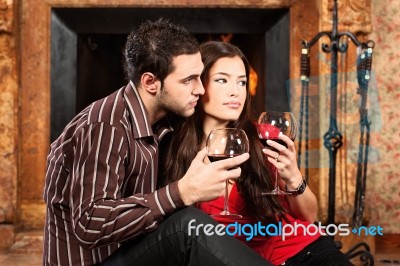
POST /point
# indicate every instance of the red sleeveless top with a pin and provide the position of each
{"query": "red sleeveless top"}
(274, 249)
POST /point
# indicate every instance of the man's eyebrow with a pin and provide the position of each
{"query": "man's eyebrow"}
(191, 77)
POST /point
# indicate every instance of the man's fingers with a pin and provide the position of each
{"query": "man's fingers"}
(201, 154)
(234, 161)
(234, 173)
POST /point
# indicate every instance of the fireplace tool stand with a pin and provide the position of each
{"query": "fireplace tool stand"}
(333, 138)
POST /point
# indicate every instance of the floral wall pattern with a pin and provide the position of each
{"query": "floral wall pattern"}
(382, 202)
(383, 193)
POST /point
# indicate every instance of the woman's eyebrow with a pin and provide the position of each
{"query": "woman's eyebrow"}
(226, 74)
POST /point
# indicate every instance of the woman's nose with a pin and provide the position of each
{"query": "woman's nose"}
(234, 90)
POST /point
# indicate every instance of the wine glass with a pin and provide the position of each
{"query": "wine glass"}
(270, 125)
(221, 144)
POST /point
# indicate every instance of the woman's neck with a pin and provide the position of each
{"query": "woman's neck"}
(210, 124)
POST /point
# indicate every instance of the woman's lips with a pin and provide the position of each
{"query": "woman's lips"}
(233, 104)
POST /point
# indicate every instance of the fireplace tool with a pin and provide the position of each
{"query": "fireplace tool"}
(333, 137)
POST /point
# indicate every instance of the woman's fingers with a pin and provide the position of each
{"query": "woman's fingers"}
(289, 142)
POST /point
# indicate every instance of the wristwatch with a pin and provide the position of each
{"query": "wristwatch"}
(299, 190)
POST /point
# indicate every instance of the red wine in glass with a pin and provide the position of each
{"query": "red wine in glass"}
(219, 157)
(222, 144)
(264, 143)
(270, 126)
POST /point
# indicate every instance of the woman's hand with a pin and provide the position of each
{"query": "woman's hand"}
(302, 206)
(285, 161)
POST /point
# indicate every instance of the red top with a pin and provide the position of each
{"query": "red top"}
(273, 248)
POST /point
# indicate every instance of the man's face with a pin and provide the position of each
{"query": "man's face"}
(183, 86)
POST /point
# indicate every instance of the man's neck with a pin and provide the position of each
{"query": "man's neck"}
(154, 113)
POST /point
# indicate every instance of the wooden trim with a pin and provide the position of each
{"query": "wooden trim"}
(34, 108)
(388, 243)
(174, 3)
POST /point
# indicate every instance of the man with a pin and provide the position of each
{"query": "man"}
(104, 200)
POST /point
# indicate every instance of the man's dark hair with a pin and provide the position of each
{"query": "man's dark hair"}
(152, 47)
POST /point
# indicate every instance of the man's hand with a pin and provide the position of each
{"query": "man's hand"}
(204, 182)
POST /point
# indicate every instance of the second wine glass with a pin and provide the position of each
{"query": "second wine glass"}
(270, 125)
(222, 144)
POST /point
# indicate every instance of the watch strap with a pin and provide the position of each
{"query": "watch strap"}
(299, 190)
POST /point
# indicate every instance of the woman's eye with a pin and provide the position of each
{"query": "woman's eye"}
(242, 83)
(222, 81)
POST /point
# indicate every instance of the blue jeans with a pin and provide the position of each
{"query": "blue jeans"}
(172, 245)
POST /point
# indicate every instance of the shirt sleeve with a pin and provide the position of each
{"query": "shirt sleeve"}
(101, 215)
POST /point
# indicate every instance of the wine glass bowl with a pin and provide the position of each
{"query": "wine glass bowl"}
(225, 143)
(270, 126)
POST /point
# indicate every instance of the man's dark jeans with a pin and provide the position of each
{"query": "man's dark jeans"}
(172, 245)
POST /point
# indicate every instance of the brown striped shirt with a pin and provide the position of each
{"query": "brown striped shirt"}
(101, 181)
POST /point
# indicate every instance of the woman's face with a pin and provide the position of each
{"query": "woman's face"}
(225, 91)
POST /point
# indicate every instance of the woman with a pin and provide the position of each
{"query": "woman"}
(226, 103)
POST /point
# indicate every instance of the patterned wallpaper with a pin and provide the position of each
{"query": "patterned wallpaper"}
(383, 187)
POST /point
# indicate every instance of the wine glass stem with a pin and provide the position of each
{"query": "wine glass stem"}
(276, 179)
(226, 198)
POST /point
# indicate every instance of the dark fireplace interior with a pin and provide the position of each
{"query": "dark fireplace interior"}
(87, 44)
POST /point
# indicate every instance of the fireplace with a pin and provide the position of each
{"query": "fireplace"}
(60, 39)
(87, 44)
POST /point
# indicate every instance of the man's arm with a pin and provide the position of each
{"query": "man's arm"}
(100, 214)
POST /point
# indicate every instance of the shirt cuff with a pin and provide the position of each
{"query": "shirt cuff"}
(164, 201)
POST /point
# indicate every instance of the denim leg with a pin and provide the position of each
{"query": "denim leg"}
(171, 244)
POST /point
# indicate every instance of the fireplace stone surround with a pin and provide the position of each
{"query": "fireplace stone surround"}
(22, 207)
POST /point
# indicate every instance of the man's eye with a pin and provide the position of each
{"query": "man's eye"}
(187, 81)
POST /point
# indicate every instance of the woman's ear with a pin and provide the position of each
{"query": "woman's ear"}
(150, 82)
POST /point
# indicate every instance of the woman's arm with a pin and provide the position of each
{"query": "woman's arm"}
(304, 205)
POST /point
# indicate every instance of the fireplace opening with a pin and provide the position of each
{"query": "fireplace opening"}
(87, 44)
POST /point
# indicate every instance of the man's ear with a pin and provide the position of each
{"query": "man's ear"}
(150, 82)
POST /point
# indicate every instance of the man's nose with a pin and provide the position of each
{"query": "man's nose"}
(199, 89)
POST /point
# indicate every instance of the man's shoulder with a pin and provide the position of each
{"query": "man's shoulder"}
(110, 109)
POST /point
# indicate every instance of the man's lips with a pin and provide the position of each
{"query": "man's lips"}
(194, 103)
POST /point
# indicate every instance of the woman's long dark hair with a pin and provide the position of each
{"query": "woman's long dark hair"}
(188, 135)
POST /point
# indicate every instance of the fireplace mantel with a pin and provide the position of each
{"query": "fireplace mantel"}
(175, 3)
